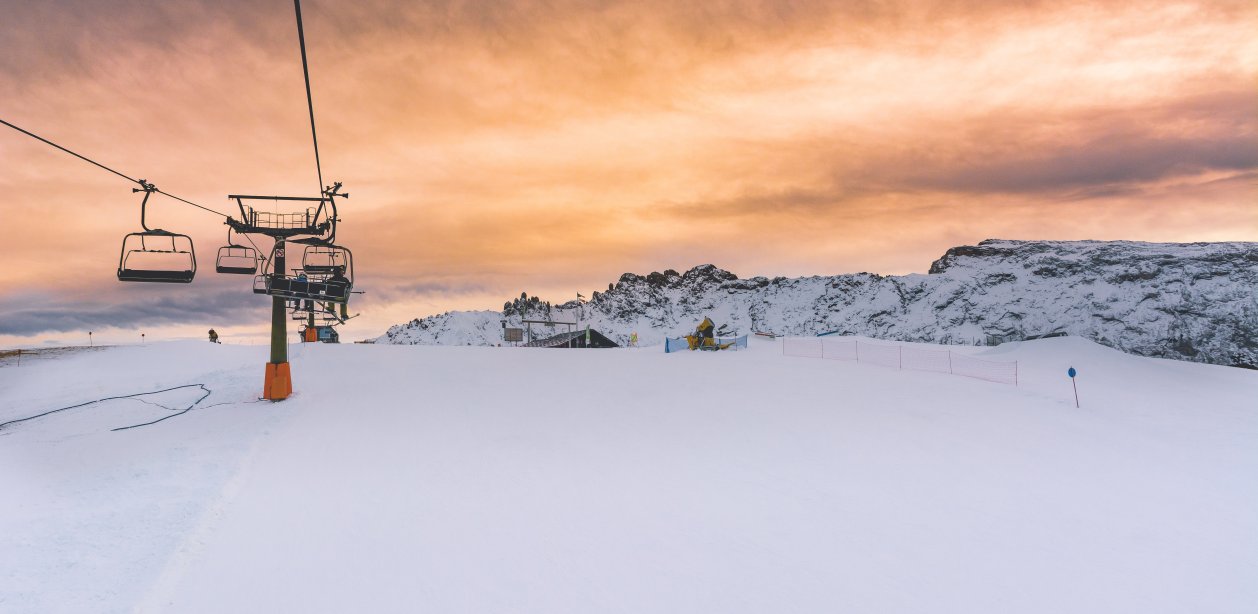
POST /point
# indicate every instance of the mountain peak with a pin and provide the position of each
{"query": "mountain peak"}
(1192, 301)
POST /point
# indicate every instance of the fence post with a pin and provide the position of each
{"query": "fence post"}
(19, 357)
(900, 350)
(858, 351)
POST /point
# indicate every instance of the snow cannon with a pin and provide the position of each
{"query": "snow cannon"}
(704, 337)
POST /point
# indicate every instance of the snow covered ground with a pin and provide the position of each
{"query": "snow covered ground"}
(442, 479)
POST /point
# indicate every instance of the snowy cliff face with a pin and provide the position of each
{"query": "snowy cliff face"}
(1185, 301)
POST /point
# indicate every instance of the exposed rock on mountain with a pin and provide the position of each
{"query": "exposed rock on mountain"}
(1191, 301)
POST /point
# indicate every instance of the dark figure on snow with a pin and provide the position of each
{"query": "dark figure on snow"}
(213, 336)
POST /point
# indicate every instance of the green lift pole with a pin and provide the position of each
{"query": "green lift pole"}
(279, 315)
(279, 379)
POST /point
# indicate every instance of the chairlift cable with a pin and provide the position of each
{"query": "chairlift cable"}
(256, 249)
(191, 203)
(305, 71)
(85, 159)
(89, 160)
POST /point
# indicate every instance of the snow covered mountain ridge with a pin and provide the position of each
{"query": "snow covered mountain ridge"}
(1187, 301)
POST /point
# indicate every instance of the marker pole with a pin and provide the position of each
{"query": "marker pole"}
(1071, 372)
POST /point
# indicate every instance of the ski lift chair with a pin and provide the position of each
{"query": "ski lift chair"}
(156, 255)
(328, 283)
(320, 315)
(330, 290)
(236, 259)
(320, 261)
(328, 271)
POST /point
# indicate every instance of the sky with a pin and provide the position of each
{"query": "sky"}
(493, 148)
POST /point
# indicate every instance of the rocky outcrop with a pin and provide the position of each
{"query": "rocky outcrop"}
(1191, 301)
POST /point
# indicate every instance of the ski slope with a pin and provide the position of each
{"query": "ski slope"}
(470, 479)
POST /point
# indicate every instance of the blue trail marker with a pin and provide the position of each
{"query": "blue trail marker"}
(1072, 373)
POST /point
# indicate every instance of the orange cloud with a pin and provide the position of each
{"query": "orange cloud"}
(491, 148)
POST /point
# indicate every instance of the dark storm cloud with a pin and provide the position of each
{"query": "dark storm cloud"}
(33, 315)
(1098, 165)
(425, 288)
(757, 203)
(1095, 151)
(1092, 154)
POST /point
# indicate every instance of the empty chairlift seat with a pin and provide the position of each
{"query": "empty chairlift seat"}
(157, 256)
(236, 259)
(326, 260)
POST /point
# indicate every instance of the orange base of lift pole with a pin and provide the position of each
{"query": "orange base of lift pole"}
(279, 382)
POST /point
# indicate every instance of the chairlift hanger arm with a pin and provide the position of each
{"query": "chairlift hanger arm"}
(148, 190)
(331, 193)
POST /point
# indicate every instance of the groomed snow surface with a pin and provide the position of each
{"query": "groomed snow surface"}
(465, 479)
